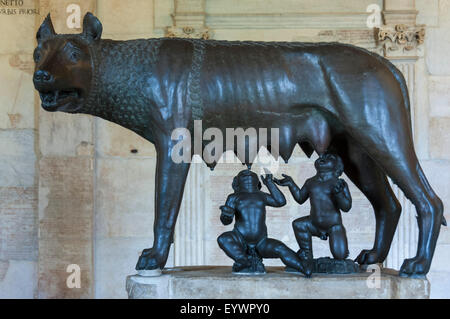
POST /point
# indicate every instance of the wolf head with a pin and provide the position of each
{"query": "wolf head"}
(65, 65)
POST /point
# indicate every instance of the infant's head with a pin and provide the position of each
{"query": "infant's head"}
(329, 163)
(246, 180)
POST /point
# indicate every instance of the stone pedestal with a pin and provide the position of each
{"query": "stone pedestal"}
(219, 282)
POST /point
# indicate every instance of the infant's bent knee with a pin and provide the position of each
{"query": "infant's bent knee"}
(225, 238)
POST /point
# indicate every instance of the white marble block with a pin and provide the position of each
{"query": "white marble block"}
(210, 282)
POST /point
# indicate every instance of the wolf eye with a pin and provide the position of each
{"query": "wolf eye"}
(72, 52)
(74, 56)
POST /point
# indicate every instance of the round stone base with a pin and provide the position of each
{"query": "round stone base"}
(248, 273)
(150, 273)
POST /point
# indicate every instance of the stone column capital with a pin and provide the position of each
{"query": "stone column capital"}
(399, 37)
(401, 40)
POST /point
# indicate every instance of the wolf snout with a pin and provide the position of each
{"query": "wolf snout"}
(42, 77)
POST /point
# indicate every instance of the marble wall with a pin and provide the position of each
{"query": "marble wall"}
(80, 190)
(18, 134)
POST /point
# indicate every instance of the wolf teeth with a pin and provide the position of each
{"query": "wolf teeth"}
(52, 97)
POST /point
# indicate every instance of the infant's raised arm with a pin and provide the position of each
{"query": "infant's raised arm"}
(276, 197)
(342, 196)
(228, 210)
(300, 194)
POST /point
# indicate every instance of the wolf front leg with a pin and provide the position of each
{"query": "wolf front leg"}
(170, 181)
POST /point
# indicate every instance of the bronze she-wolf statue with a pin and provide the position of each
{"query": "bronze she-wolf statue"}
(326, 97)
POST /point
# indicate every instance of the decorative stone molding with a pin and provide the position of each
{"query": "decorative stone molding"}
(401, 40)
(400, 16)
(289, 20)
(188, 20)
(399, 12)
(188, 32)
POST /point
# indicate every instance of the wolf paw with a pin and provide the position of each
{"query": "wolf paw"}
(367, 257)
(414, 267)
(150, 259)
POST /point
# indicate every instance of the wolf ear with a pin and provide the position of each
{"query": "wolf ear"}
(46, 30)
(92, 28)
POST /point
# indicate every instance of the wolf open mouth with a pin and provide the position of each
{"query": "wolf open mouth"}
(54, 100)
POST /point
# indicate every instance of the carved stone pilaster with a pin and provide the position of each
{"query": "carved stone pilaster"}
(189, 241)
(401, 41)
(404, 243)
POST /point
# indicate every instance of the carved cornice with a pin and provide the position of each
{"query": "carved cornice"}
(401, 40)
(400, 17)
(188, 32)
(288, 20)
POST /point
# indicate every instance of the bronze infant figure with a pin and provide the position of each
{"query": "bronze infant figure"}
(248, 242)
(325, 97)
(328, 195)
